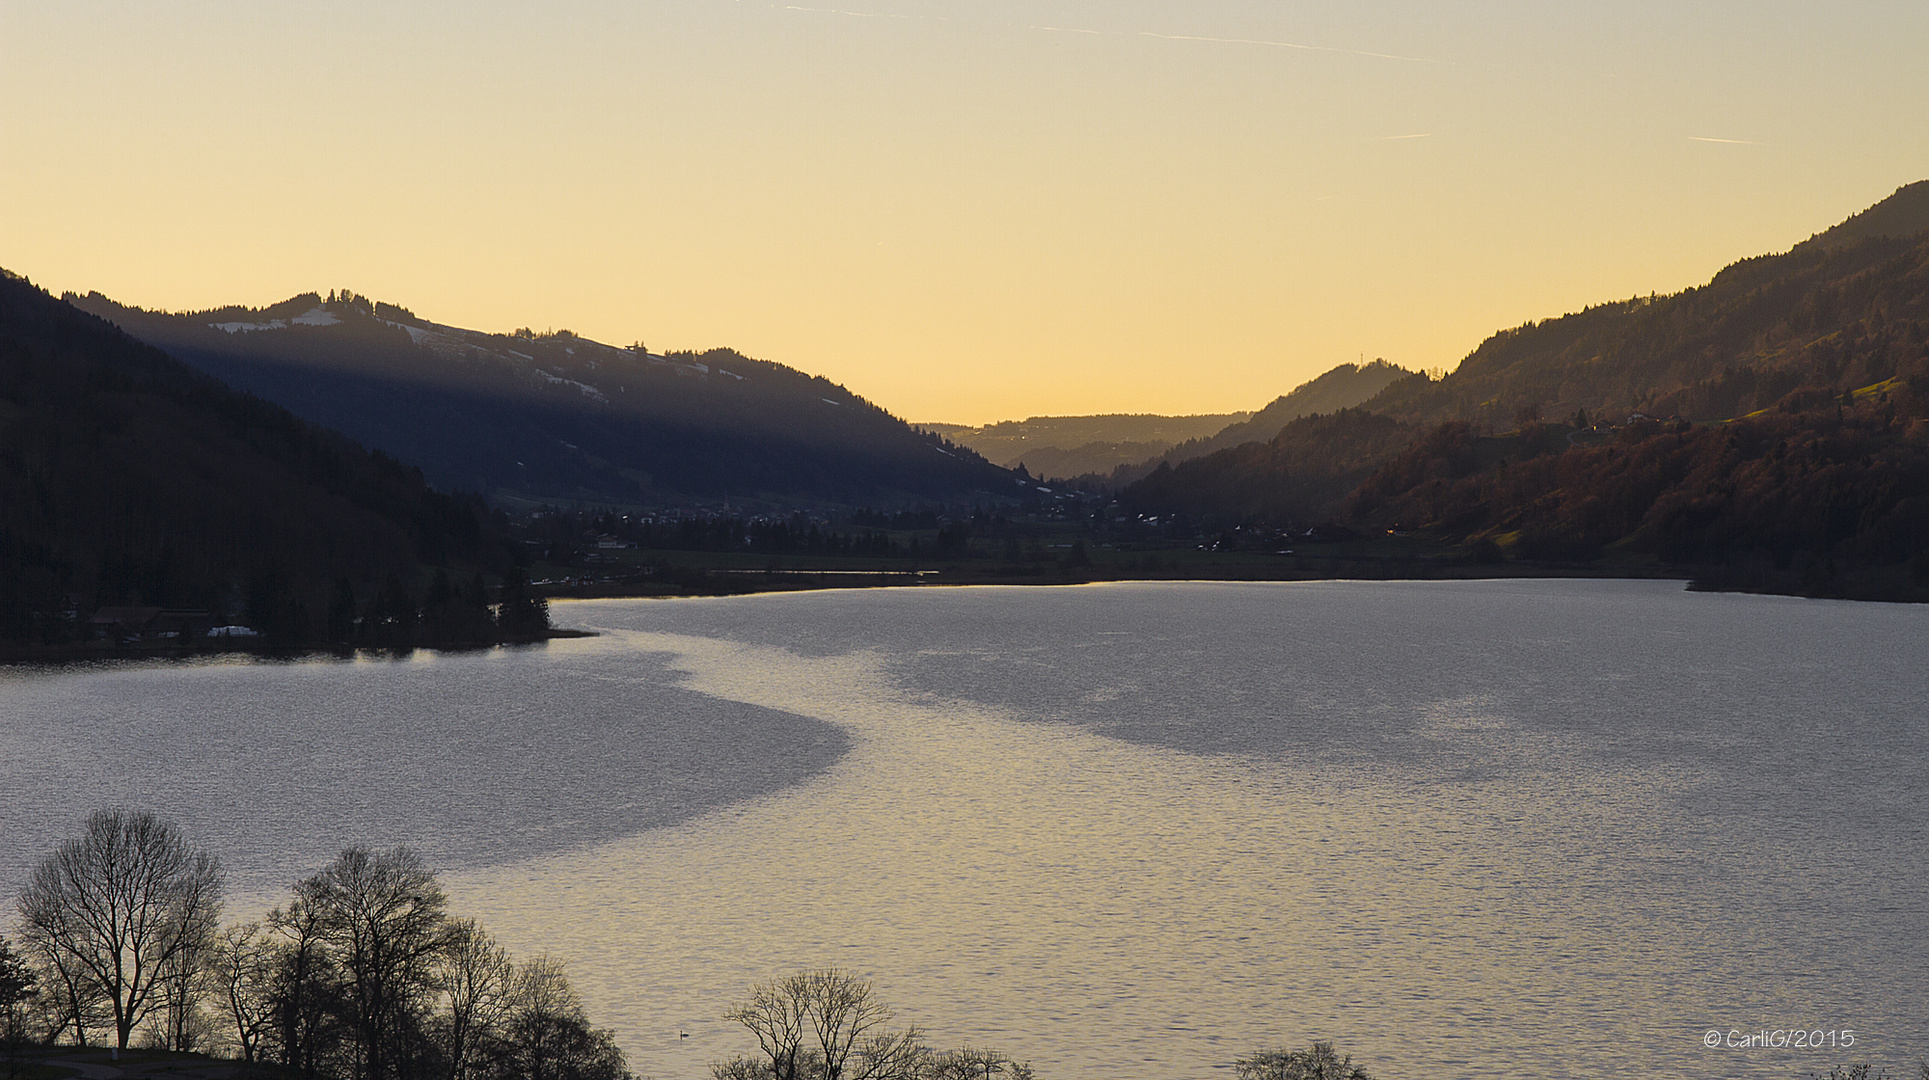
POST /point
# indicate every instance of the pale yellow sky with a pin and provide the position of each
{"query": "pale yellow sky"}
(965, 212)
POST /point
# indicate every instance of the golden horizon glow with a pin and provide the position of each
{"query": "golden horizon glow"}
(965, 213)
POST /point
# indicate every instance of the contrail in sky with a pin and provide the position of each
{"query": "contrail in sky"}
(1736, 142)
(1392, 138)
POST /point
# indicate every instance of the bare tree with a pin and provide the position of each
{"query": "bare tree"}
(478, 984)
(889, 1055)
(843, 1014)
(306, 988)
(383, 916)
(966, 1063)
(179, 1023)
(1318, 1062)
(776, 1018)
(118, 909)
(243, 965)
(827, 1024)
(740, 1068)
(70, 1000)
(548, 1036)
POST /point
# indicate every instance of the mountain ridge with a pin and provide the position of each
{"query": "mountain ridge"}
(529, 418)
(1901, 215)
(1769, 429)
(129, 478)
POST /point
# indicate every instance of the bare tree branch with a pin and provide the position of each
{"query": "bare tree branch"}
(119, 908)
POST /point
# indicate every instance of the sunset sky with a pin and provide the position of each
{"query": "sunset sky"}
(964, 211)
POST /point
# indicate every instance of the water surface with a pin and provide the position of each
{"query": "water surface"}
(1532, 829)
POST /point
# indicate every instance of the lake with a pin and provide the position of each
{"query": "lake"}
(1515, 829)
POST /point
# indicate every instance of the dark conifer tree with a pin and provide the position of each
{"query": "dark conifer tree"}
(521, 616)
(341, 613)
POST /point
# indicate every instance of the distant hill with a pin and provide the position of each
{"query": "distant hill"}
(1053, 446)
(129, 479)
(1900, 216)
(531, 418)
(1342, 387)
(1770, 428)
(1829, 500)
(1839, 314)
(1299, 476)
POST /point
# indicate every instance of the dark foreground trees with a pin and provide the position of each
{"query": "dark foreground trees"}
(1317, 1062)
(363, 975)
(383, 919)
(830, 1025)
(121, 916)
(16, 987)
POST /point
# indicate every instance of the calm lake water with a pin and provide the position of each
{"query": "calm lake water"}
(1527, 829)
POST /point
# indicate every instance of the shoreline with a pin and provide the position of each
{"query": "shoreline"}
(732, 582)
(81, 652)
(703, 582)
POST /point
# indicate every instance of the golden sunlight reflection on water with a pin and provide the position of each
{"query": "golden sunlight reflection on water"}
(1514, 829)
(1114, 910)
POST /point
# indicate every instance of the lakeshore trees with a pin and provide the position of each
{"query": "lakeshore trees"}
(363, 975)
(1317, 1062)
(480, 984)
(382, 916)
(830, 1025)
(123, 914)
(16, 987)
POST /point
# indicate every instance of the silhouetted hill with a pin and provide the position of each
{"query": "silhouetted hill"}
(1299, 476)
(528, 418)
(1793, 454)
(1831, 501)
(1835, 317)
(1901, 215)
(127, 478)
(1052, 446)
(1341, 388)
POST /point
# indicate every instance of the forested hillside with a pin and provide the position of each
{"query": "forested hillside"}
(1831, 501)
(1767, 430)
(1341, 388)
(128, 479)
(1835, 314)
(1300, 475)
(529, 417)
(1901, 215)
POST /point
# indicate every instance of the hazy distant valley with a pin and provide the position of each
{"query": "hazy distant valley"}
(1117, 449)
(1060, 446)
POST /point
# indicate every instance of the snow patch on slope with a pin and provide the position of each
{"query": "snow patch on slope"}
(316, 316)
(587, 390)
(248, 327)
